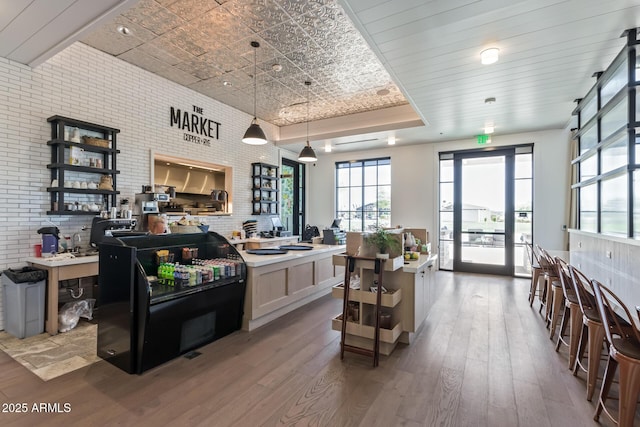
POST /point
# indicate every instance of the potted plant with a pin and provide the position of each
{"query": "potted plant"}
(383, 241)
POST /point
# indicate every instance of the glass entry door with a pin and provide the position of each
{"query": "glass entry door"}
(486, 210)
(480, 211)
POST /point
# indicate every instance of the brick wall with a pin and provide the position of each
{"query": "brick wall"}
(83, 83)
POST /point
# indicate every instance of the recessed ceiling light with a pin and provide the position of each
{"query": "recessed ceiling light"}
(489, 56)
(383, 92)
(489, 128)
(490, 100)
(276, 67)
(125, 31)
(227, 83)
(327, 147)
(391, 140)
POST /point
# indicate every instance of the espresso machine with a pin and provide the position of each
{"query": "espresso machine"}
(103, 229)
(148, 203)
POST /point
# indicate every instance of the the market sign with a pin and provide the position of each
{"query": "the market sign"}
(197, 128)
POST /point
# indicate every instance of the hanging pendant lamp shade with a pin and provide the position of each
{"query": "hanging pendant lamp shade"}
(307, 154)
(254, 134)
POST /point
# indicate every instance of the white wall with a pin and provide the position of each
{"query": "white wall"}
(85, 84)
(414, 178)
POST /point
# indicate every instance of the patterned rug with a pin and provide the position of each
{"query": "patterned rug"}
(51, 356)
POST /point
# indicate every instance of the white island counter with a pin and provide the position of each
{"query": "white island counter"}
(278, 284)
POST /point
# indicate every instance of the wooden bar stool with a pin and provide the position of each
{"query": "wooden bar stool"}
(571, 314)
(555, 296)
(623, 338)
(592, 335)
(536, 273)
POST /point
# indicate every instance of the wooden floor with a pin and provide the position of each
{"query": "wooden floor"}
(483, 358)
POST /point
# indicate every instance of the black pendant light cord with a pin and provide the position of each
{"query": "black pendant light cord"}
(308, 83)
(255, 78)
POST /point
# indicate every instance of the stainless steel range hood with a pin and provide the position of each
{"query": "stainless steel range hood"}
(187, 179)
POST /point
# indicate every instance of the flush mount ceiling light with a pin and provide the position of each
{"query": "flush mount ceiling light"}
(489, 56)
(489, 128)
(254, 135)
(307, 154)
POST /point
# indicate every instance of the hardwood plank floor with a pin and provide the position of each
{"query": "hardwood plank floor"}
(483, 358)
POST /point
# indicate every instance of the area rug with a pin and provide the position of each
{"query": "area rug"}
(50, 356)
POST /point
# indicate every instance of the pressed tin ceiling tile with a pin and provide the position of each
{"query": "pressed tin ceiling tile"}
(186, 40)
(162, 45)
(190, 9)
(165, 53)
(109, 40)
(204, 43)
(152, 16)
(257, 15)
(296, 7)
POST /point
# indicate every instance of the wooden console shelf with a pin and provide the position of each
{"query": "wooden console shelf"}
(411, 290)
(389, 299)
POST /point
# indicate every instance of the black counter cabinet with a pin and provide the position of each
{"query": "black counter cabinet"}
(146, 320)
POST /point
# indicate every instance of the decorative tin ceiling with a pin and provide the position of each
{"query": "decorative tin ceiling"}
(205, 45)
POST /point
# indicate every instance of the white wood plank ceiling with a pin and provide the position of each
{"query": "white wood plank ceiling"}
(549, 50)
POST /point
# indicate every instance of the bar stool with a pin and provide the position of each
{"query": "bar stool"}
(592, 335)
(555, 296)
(623, 338)
(571, 312)
(536, 273)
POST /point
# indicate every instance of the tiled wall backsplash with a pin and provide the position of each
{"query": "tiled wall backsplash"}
(85, 84)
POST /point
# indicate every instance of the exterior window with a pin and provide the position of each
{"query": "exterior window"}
(589, 139)
(363, 193)
(589, 168)
(614, 155)
(614, 119)
(617, 81)
(589, 208)
(614, 205)
(608, 158)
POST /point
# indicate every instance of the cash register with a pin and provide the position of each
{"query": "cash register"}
(278, 229)
(333, 235)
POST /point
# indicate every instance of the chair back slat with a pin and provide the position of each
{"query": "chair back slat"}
(547, 263)
(529, 253)
(562, 270)
(582, 287)
(618, 324)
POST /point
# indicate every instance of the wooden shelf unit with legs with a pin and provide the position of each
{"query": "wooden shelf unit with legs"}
(362, 332)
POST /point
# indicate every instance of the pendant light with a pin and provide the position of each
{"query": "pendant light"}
(307, 154)
(254, 135)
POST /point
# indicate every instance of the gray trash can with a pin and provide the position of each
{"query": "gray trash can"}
(23, 300)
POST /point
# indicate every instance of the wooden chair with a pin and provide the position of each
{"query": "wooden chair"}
(623, 338)
(571, 314)
(536, 273)
(592, 335)
(553, 291)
